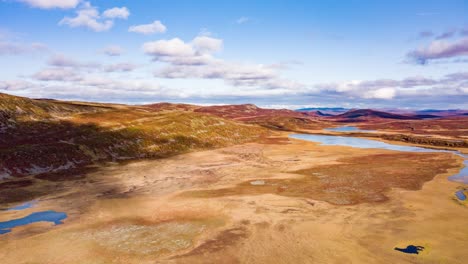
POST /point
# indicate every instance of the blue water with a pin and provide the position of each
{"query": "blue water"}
(22, 206)
(460, 195)
(359, 143)
(347, 129)
(44, 216)
(461, 176)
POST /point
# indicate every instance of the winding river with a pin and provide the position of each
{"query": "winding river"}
(461, 176)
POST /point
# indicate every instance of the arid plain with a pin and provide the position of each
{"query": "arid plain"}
(272, 199)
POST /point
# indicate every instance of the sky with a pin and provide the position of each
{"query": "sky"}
(275, 54)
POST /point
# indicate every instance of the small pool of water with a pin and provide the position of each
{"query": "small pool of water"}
(462, 175)
(348, 129)
(461, 195)
(44, 216)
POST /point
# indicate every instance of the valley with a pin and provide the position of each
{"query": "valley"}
(174, 183)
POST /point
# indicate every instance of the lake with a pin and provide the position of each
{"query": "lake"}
(44, 216)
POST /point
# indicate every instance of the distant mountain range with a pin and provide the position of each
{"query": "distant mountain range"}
(336, 109)
(383, 113)
(324, 111)
(372, 114)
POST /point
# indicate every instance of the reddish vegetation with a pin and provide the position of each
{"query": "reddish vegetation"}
(277, 119)
(455, 126)
(355, 180)
(170, 106)
(246, 112)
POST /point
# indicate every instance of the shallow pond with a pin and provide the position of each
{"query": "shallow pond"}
(44, 216)
(461, 195)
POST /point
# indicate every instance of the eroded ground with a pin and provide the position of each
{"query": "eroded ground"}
(275, 201)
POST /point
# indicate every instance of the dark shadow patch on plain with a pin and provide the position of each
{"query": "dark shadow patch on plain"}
(411, 249)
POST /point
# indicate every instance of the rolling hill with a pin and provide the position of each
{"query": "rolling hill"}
(43, 137)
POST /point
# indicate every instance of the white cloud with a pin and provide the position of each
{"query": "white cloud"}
(168, 48)
(113, 50)
(14, 85)
(177, 52)
(147, 29)
(439, 49)
(382, 93)
(205, 44)
(60, 60)
(56, 74)
(88, 16)
(96, 88)
(117, 12)
(48, 4)
(378, 89)
(195, 60)
(411, 87)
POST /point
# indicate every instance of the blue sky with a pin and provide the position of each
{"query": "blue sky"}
(405, 54)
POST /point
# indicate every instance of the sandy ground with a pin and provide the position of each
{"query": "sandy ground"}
(145, 212)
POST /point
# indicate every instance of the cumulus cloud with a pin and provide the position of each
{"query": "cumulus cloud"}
(91, 88)
(113, 50)
(48, 4)
(205, 44)
(439, 49)
(196, 59)
(147, 29)
(381, 93)
(56, 74)
(15, 85)
(60, 60)
(386, 89)
(117, 12)
(88, 16)
(168, 48)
